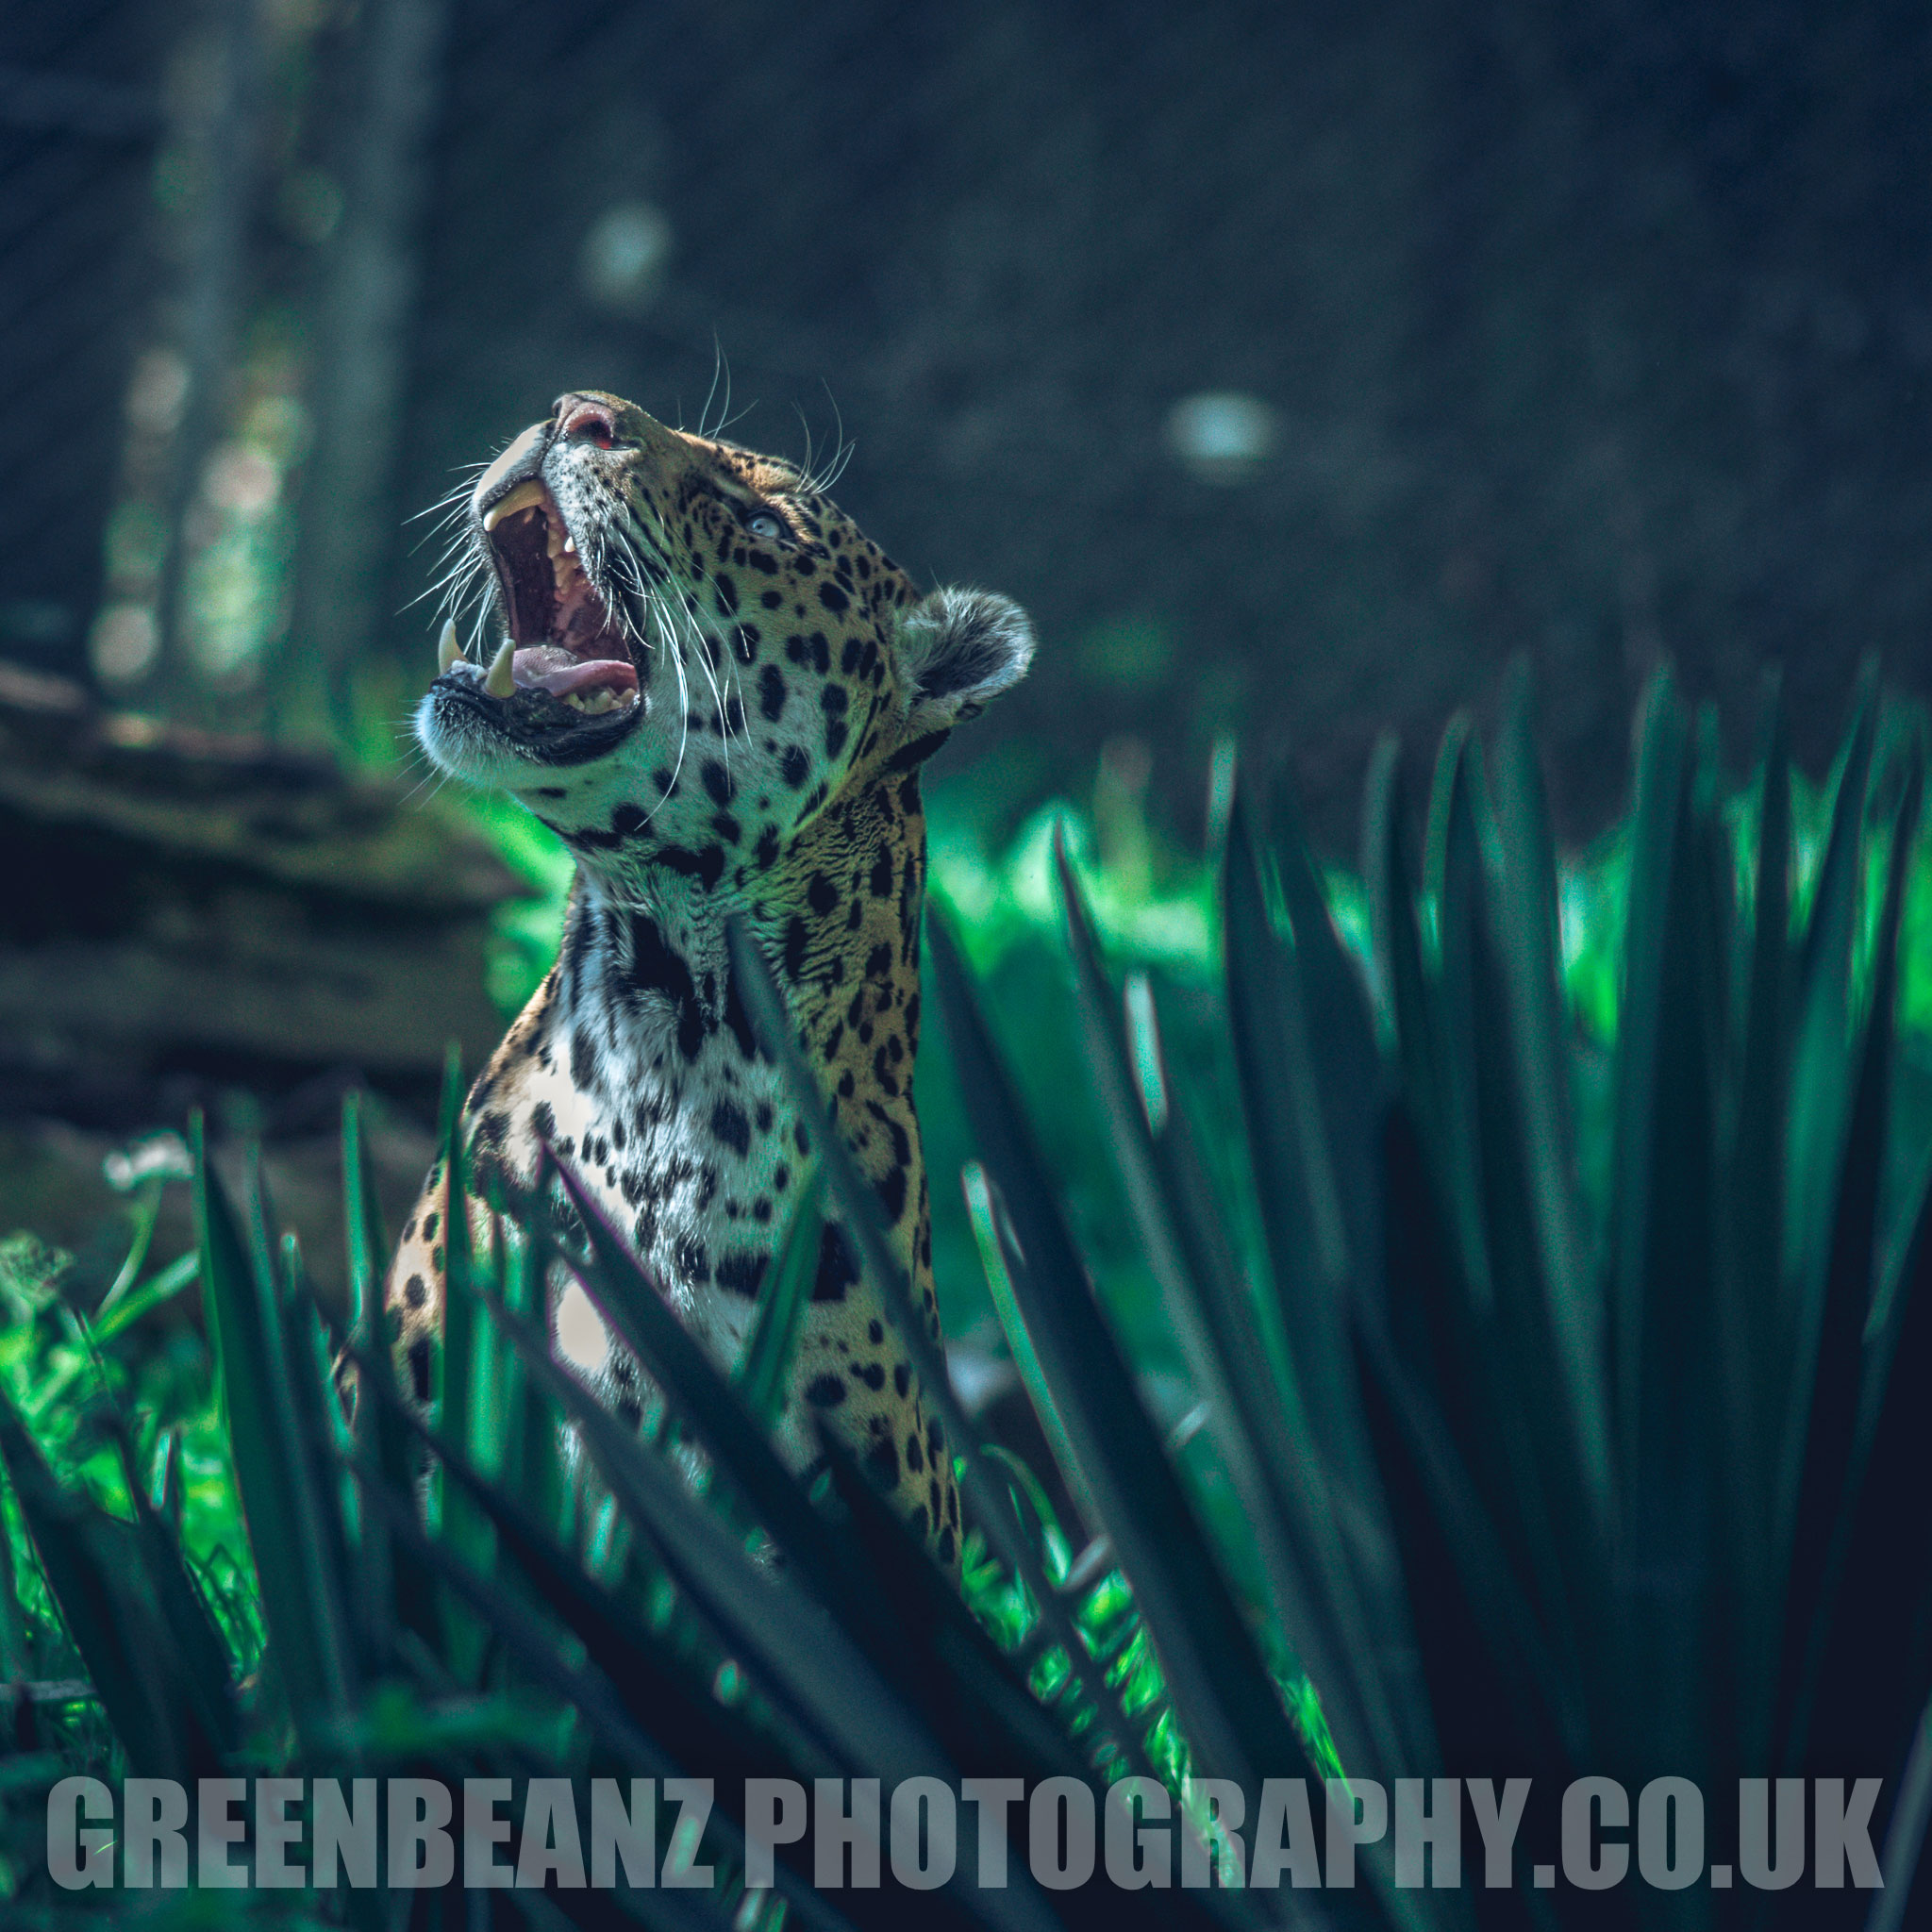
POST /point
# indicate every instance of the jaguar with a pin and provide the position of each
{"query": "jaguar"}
(697, 672)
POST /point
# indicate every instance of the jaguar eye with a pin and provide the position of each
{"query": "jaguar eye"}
(765, 524)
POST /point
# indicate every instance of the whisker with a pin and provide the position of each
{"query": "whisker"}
(805, 423)
(428, 778)
(455, 497)
(717, 364)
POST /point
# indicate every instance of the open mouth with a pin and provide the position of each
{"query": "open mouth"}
(566, 643)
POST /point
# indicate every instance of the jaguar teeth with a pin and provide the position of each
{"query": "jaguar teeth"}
(524, 496)
(447, 650)
(501, 681)
(594, 703)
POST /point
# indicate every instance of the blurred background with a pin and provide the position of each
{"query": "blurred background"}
(1297, 367)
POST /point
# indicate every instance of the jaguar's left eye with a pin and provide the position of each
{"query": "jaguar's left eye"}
(765, 524)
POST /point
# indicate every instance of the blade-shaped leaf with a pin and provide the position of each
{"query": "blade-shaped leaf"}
(1498, 1693)
(1829, 1471)
(1289, 1140)
(1498, 1383)
(786, 1643)
(362, 1234)
(839, 1574)
(1664, 1297)
(582, 1685)
(1874, 1666)
(1821, 1062)
(1228, 1706)
(1339, 1033)
(863, 1222)
(97, 1578)
(1753, 1332)
(640, 1316)
(281, 1501)
(1389, 869)
(642, 1670)
(192, 1638)
(764, 1369)
(998, 1254)
(1528, 951)
(1452, 873)
(1253, 1414)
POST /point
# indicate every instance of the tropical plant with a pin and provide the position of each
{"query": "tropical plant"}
(1560, 1365)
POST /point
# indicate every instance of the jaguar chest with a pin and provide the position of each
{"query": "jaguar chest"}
(638, 1068)
(656, 1097)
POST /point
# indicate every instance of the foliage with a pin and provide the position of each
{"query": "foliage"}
(1539, 1255)
(523, 932)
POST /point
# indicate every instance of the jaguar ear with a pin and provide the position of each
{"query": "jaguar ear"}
(958, 651)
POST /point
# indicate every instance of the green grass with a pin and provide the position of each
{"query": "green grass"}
(1498, 1209)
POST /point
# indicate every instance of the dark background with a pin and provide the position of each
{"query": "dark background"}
(1593, 333)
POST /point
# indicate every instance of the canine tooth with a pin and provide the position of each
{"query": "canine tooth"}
(570, 546)
(501, 682)
(524, 496)
(447, 649)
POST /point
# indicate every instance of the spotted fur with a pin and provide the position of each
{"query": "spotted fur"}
(792, 681)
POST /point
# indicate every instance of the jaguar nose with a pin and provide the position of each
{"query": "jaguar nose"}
(521, 459)
(586, 419)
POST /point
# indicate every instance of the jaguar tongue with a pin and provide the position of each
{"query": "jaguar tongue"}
(553, 669)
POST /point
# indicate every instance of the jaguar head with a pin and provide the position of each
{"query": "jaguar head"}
(684, 648)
